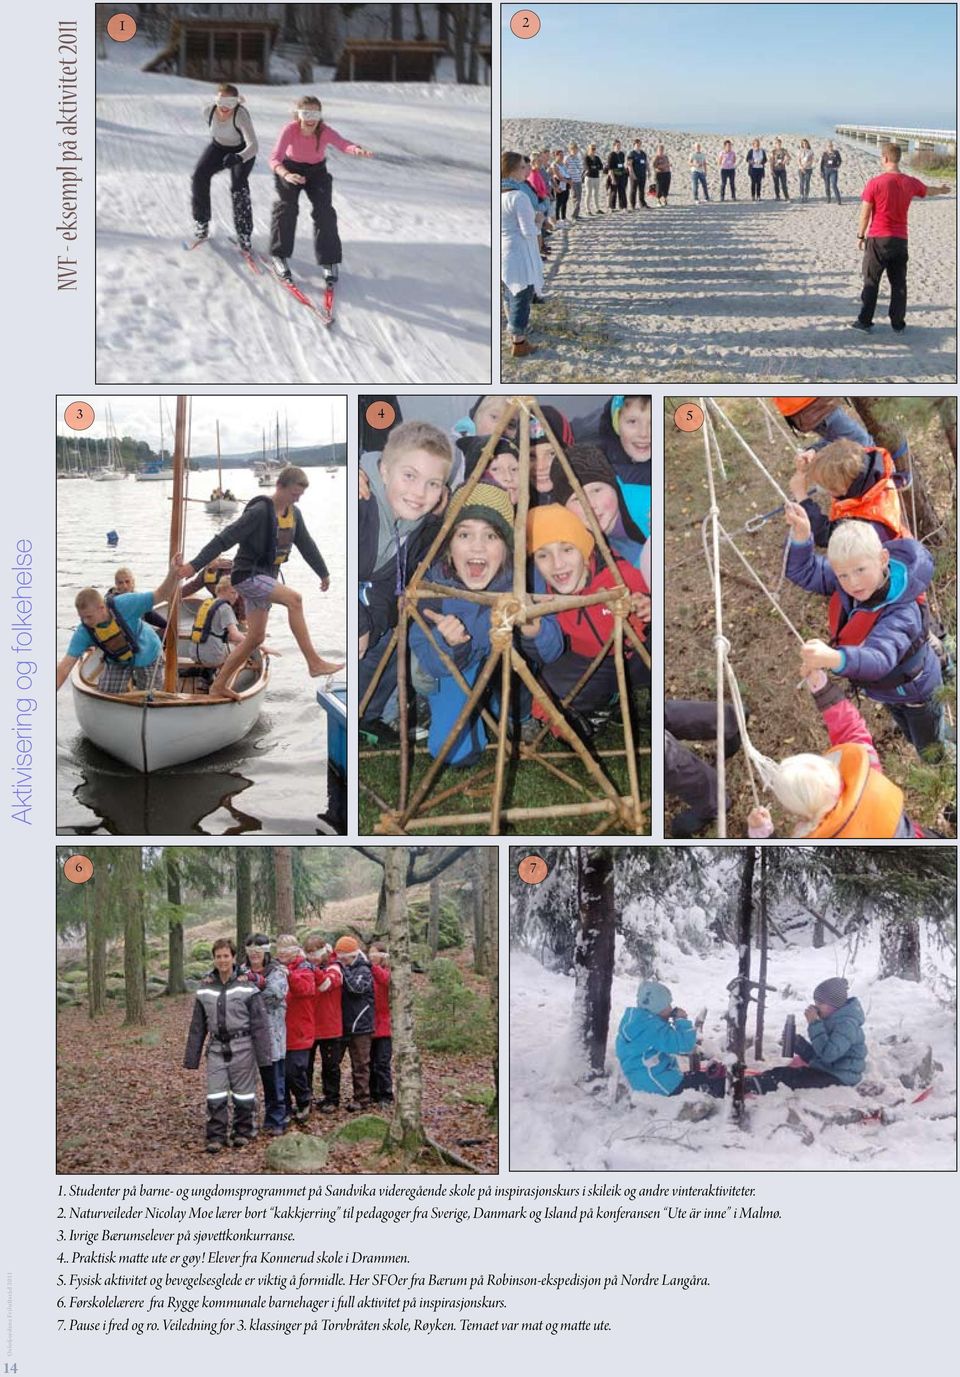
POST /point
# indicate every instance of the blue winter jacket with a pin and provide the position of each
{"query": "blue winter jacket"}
(839, 1043)
(448, 698)
(897, 628)
(646, 1047)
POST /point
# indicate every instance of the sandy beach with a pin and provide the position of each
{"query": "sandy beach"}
(733, 292)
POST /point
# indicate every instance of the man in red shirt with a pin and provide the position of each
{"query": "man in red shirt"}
(882, 236)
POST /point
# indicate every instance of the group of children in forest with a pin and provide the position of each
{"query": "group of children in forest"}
(655, 1032)
(879, 638)
(230, 617)
(274, 1014)
(414, 489)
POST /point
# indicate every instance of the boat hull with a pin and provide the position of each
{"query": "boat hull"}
(156, 734)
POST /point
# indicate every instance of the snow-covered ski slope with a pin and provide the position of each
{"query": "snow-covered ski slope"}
(557, 1124)
(413, 304)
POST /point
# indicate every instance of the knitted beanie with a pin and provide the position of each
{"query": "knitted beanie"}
(345, 945)
(834, 992)
(653, 997)
(486, 503)
(553, 522)
(557, 422)
(590, 464)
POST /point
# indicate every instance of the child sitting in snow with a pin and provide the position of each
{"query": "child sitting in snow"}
(842, 793)
(650, 1038)
(567, 563)
(477, 557)
(861, 482)
(879, 630)
(836, 1053)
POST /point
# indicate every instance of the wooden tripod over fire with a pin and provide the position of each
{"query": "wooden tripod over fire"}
(508, 612)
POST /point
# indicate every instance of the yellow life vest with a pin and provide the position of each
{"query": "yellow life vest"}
(286, 525)
(203, 622)
(114, 637)
(869, 806)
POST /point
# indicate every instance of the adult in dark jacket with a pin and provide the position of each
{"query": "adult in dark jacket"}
(756, 160)
(834, 1054)
(617, 177)
(637, 175)
(265, 532)
(231, 1018)
(358, 1017)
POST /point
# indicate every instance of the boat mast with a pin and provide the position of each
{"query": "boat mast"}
(176, 543)
(219, 473)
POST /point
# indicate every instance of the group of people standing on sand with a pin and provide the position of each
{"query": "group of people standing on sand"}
(230, 620)
(299, 164)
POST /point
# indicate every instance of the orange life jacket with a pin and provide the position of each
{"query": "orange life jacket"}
(789, 406)
(879, 503)
(870, 805)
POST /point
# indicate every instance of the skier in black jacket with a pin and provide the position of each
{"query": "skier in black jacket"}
(266, 532)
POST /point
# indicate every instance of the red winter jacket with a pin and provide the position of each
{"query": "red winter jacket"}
(587, 628)
(328, 1006)
(301, 997)
(381, 1001)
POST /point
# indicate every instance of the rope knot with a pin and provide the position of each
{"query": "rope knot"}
(722, 644)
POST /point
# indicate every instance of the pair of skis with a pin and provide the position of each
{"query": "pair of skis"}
(323, 311)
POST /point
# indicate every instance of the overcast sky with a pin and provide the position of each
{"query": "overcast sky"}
(311, 421)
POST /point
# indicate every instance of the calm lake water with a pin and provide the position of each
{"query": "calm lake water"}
(274, 781)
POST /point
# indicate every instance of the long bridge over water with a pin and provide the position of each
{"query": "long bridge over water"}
(929, 139)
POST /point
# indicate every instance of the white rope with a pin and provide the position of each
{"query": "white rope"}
(715, 443)
(755, 457)
(751, 571)
(719, 639)
(783, 430)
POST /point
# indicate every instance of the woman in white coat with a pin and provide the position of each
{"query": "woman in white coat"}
(520, 267)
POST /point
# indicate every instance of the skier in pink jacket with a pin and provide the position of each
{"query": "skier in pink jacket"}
(299, 164)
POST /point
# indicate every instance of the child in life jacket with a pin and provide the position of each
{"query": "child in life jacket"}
(824, 417)
(115, 625)
(862, 484)
(842, 793)
(215, 626)
(650, 1038)
(879, 626)
(477, 557)
(567, 563)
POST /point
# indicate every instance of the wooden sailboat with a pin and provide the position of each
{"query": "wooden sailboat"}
(219, 502)
(158, 729)
(112, 470)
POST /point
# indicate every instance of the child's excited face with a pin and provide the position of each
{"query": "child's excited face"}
(488, 414)
(562, 566)
(636, 419)
(413, 482)
(505, 471)
(861, 575)
(603, 500)
(543, 455)
(477, 553)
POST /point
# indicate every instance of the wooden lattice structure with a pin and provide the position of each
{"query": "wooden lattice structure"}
(388, 59)
(510, 610)
(218, 49)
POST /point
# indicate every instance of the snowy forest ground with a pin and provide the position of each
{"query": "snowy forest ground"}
(559, 1123)
(414, 299)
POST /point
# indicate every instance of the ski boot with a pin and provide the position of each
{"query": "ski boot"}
(243, 243)
(331, 273)
(281, 267)
(201, 230)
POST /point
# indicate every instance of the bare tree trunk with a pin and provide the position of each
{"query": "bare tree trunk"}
(405, 1130)
(97, 943)
(477, 885)
(593, 960)
(396, 23)
(900, 948)
(492, 888)
(762, 936)
(947, 411)
(433, 922)
(130, 890)
(244, 895)
(419, 32)
(891, 437)
(283, 876)
(740, 990)
(818, 933)
(175, 980)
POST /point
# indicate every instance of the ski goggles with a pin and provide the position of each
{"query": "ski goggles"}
(308, 116)
(228, 102)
